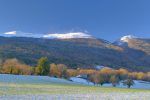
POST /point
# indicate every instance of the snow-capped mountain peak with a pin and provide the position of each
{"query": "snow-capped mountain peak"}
(49, 36)
(124, 40)
(11, 33)
(127, 38)
(68, 35)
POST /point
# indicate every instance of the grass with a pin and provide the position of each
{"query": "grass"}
(17, 89)
(61, 91)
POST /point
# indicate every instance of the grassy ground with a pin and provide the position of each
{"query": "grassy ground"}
(62, 92)
(45, 88)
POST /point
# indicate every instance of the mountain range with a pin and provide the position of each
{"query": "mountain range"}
(77, 49)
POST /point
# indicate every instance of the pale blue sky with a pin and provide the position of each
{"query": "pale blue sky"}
(107, 19)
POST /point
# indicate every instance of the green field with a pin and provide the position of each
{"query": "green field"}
(57, 91)
(19, 90)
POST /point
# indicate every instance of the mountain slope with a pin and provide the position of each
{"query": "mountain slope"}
(134, 43)
(83, 52)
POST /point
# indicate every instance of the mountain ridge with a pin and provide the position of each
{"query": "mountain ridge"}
(77, 52)
(69, 35)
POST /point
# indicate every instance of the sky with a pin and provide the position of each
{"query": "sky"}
(106, 19)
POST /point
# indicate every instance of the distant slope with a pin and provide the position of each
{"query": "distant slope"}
(140, 44)
(83, 52)
(135, 43)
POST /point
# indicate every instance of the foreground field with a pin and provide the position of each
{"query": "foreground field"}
(14, 87)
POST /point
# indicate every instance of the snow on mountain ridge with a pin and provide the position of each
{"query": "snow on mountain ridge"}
(49, 36)
(11, 33)
(68, 35)
(127, 37)
(124, 40)
(19, 34)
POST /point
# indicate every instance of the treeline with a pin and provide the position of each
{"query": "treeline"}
(13, 66)
(108, 75)
(105, 75)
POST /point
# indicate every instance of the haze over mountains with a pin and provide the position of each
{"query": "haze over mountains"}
(77, 49)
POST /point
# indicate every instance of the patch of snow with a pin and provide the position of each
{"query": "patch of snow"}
(11, 33)
(98, 67)
(138, 84)
(141, 84)
(127, 38)
(7, 78)
(68, 35)
(20, 34)
(88, 95)
(49, 36)
(80, 80)
(124, 40)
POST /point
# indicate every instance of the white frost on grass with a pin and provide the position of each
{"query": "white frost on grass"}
(138, 84)
(7, 78)
(80, 80)
(27, 92)
(91, 96)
